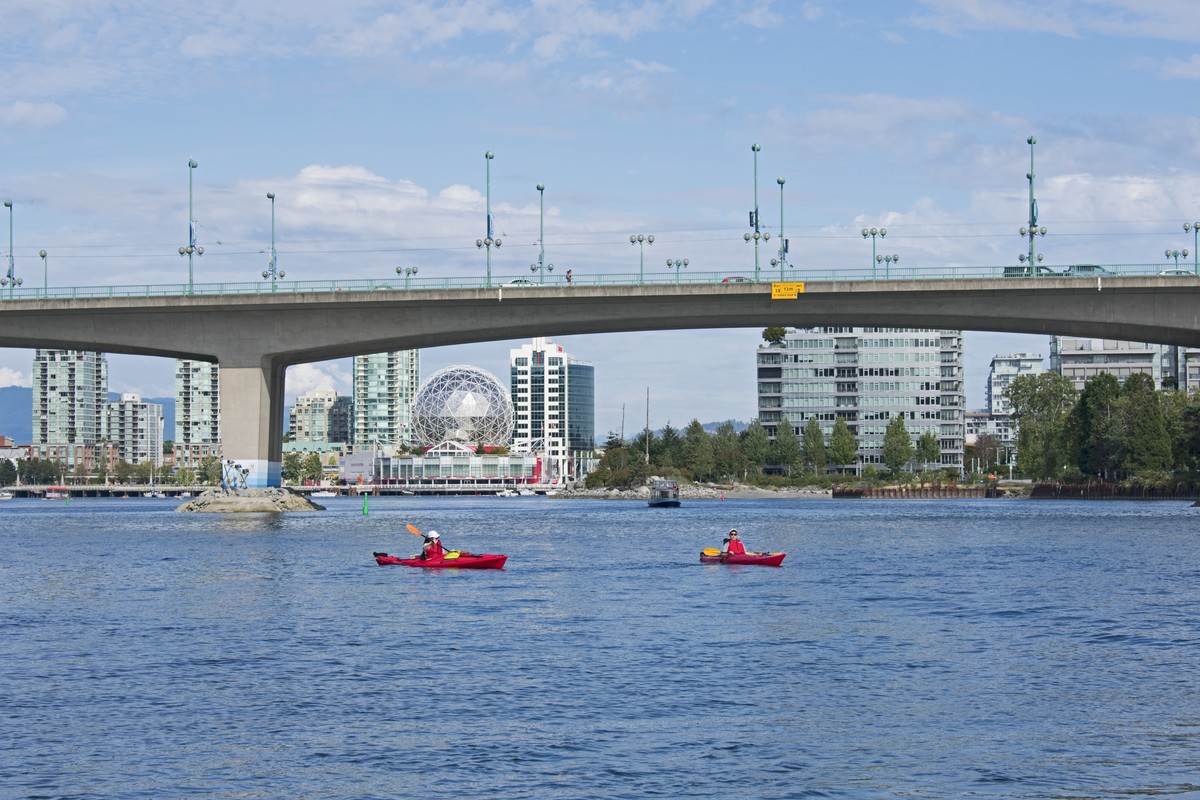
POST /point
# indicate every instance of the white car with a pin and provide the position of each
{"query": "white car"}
(1176, 272)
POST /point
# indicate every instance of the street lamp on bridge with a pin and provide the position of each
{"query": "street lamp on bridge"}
(272, 271)
(488, 242)
(676, 265)
(541, 267)
(191, 245)
(641, 240)
(873, 232)
(11, 279)
(1194, 227)
(1032, 231)
(407, 272)
(45, 274)
(758, 234)
(887, 262)
(1175, 254)
(783, 243)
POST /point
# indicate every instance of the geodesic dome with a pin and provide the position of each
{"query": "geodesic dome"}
(462, 404)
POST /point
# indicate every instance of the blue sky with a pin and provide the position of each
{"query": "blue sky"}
(369, 121)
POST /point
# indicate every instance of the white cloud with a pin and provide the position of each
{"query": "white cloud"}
(11, 377)
(1178, 68)
(36, 116)
(321, 376)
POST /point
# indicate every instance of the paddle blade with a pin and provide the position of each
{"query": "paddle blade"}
(451, 554)
(413, 530)
(711, 551)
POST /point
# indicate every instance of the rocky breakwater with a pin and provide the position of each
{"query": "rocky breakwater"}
(216, 501)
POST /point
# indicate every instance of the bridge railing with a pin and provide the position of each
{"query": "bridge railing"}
(806, 273)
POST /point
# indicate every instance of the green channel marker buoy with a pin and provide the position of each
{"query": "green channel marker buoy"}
(365, 496)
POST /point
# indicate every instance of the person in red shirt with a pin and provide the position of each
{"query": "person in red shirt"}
(735, 547)
(432, 549)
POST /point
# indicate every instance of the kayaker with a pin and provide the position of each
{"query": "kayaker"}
(433, 546)
(735, 547)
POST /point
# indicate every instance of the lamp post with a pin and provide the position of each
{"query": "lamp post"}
(676, 265)
(541, 267)
(11, 278)
(1175, 254)
(887, 262)
(191, 245)
(1033, 231)
(758, 234)
(407, 272)
(873, 232)
(272, 271)
(45, 274)
(783, 243)
(1194, 227)
(488, 242)
(641, 240)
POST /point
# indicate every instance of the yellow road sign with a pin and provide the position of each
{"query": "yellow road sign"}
(787, 291)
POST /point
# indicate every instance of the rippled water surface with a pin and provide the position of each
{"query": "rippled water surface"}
(905, 649)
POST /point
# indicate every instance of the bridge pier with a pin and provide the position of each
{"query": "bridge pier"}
(252, 419)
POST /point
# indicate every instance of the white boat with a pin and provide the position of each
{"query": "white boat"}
(664, 493)
(5, 494)
(323, 493)
(185, 494)
(506, 493)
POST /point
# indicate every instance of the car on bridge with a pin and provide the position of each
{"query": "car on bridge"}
(1174, 271)
(1027, 271)
(737, 279)
(521, 282)
(1086, 269)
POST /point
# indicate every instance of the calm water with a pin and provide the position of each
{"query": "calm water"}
(999, 649)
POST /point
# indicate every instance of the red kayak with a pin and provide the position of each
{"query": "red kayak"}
(459, 561)
(761, 559)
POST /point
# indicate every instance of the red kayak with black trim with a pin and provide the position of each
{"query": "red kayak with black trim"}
(759, 559)
(452, 560)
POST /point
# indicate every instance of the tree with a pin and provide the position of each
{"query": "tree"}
(728, 458)
(8, 472)
(813, 446)
(210, 470)
(1094, 425)
(986, 450)
(1190, 436)
(310, 468)
(785, 450)
(698, 451)
(929, 450)
(1146, 443)
(843, 449)
(756, 444)
(1175, 405)
(774, 335)
(670, 447)
(898, 448)
(1040, 406)
(292, 467)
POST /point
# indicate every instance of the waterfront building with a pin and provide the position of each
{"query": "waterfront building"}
(1004, 370)
(385, 389)
(1189, 374)
(554, 406)
(866, 376)
(1079, 359)
(136, 429)
(70, 388)
(320, 421)
(1000, 427)
(197, 412)
(449, 467)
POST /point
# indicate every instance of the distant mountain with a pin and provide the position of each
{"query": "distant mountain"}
(16, 413)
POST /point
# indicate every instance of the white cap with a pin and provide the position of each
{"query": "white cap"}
(432, 535)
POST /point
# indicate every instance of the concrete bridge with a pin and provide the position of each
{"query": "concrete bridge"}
(255, 337)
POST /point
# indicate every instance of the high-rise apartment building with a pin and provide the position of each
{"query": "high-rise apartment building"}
(136, 428)
(197, 412)
(321, 420)
(1006, 369)
(866, 376)
(554, 406)
(385, 386)
(70, 389)
(1079, 359)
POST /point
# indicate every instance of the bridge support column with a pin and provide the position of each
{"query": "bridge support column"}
(252, 421)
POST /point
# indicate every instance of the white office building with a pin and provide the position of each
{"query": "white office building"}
(554, 407)
(1004, 370)
(866, 376)
(1079, 359)
(385, 388)
(197, 412)
(320, 420)
(136, 428)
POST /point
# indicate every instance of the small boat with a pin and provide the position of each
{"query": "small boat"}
(454, 559)
(664, 493)
(324, 493)
(760, 559)
(506, 493)
(57, 492)
(5, 494)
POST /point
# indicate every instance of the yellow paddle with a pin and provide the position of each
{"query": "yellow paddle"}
(711, 551)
